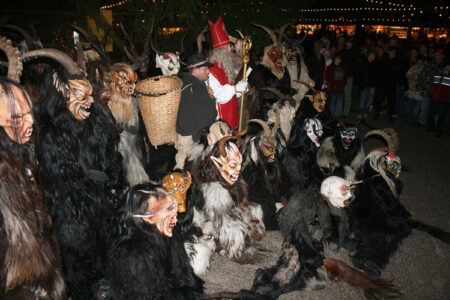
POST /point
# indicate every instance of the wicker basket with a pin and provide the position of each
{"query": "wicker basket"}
(159, 100)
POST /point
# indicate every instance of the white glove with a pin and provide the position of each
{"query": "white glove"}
(241, 87)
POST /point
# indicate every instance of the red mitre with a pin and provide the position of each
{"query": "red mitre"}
(219, 36)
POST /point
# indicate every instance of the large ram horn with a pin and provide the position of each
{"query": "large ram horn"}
(270, 32)
(28, 39)
(62, 58)
(15, 66)
(263, 125)
(389, 135)
(221, 145)
(240, 33)
(148, 39)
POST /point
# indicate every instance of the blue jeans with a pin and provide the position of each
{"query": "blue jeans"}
(365, 100)
(413, 110)
(424, 110)
(399, 100)
(334, 103)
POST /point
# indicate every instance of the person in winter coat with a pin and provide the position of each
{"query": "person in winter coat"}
(368, 79)
(336, 78)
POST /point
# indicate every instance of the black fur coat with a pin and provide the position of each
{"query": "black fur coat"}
(82, 171)
(144, 264)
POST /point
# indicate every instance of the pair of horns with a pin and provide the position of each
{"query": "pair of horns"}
(272, 34)
(222, 141)
(267, 131)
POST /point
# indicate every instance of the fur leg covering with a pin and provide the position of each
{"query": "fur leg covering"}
(132, 160)
(199, 254)
(232, 226)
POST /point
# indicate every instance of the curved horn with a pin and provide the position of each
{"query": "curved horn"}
(233, 39)
(389, 135)
(263, 125)
(308, 85)
(221, 145)
(148, 38)
(282, 28)
(80, 56)
(273, 90)
(269, 31)
(132, 47)
(64, 59)
(129, 55)
(15, 66)
(240, 33)
(28, 39)
(201, 39)
(277, 122)
(151, 41)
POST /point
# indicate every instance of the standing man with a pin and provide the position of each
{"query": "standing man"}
(223, 73)
(197, 106)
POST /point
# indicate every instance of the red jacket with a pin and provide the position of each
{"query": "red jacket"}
(228, 111)
(441, 87)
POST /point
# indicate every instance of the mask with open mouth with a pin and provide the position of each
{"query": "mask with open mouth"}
(79, 98)
(337, 191)
(319, 101)
(229, 163)
(162, 210)
(314, 130)
(17, 121)
(348, 135)
(124, 79)
(275, 54)
(169, 63)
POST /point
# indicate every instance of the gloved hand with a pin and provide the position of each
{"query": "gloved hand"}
(241, 86)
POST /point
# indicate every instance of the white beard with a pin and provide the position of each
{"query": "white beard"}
(122, 108)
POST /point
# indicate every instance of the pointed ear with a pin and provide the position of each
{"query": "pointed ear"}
(189, 175)
(217, 162)
(310, 97)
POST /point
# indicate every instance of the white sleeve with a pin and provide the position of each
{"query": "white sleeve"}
(222, 93)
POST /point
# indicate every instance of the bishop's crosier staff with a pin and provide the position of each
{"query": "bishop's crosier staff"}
(246, 46)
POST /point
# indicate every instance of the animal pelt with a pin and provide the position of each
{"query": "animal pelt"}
(299, 160)
(144, 264)
(377, 218)
(160, 159)
(300, 220)
(333, 158)
(83, 174)
(131, 147)
(262, 77)
(224, 212)
(265, 180)
(29, 257)
(298, 71)
(199, 247)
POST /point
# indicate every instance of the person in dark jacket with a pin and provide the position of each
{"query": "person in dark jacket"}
(368, 80)
(197, 106)
(440, 99)
(350, 57)
(336, 77)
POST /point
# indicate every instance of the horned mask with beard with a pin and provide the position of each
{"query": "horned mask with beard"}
(120, 82)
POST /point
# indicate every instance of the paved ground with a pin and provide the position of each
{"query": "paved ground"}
(421, 267)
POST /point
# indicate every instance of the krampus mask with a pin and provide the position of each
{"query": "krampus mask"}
(337, 191)
(392, 164)
(314, 130)
(177, 184)
(161, 211)
(274, 54)
(268, 144)
(348, 135)
(230, 161)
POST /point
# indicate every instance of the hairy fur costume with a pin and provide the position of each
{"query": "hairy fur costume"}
(299, 159)
(263, 174)
(342, 154)
(121, 80)
(145, 263)
(304, 223)
(377, 218)
(222, 208)
(29, 257)
(197, 245)
(76, 142)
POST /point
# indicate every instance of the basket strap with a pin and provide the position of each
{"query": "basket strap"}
(140, 94)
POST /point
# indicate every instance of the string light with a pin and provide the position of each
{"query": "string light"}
(120, 3)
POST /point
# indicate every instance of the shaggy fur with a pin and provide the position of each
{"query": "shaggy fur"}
(300, 160)
(82, 206)
(332, 157)
(145, 264)
(224, 212)
(265, 180)
(29, 258)
(377, 218)
(305, 215)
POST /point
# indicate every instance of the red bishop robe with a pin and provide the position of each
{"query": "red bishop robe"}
(228, 111)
